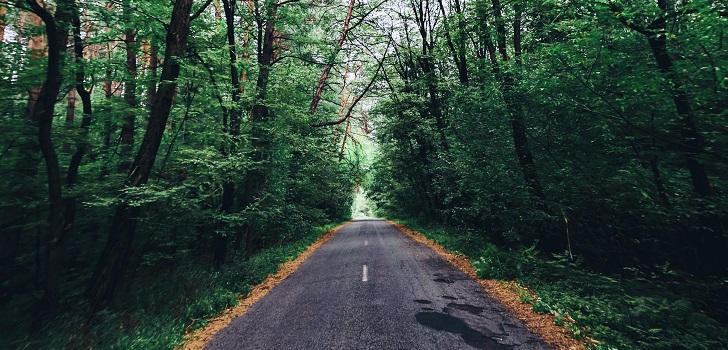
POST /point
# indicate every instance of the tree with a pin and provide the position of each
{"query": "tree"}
(113, 266)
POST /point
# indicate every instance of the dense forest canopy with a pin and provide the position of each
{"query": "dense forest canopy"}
(156, 138)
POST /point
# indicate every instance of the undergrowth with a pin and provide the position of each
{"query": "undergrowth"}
(619, 313)
(158, 312)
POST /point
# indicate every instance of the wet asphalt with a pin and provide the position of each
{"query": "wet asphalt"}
(372, 287)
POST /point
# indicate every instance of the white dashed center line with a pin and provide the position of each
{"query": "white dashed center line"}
(364, 274)
(366, 242)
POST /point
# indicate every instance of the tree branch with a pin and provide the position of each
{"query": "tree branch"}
(351, 109)
(201, 10)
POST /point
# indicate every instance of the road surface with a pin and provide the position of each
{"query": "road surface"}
(372, 287)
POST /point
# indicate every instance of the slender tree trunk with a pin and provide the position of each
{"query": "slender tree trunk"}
(112, 268)
(691, 138)
(127, 128)
(228, 193)
(261, 114)
(108, 93)
(109, 126)
(70, 116)
(153, 65)
(327, 70)
(82, 143)
(508, 83)
(42, 114)
(458, 54)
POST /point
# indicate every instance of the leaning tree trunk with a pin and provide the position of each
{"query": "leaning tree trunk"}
(112, 269)
(709, 241)
(42, 113)
(508, 83)
(327, 69)
(82, 144)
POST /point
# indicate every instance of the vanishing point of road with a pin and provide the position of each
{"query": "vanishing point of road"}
(372, 287)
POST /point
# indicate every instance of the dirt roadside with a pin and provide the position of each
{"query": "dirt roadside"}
(197, 339)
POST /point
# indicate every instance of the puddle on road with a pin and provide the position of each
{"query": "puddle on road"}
(475, 310)
(444, 280)
(422, 301)
(444, 322)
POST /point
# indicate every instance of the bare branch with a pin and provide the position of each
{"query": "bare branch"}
(351, 109)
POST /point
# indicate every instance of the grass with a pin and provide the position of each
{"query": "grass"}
(158, 312)
(635, 313)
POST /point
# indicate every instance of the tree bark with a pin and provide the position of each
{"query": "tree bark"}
(42, 113)
(70, 116)
(691, 138)
(508, 83)
(692, 141)
(261, 114)
(153, 65)
(113, 265)
(327, 70)
(82, 144)
(127, 128)
(458, 54)
(228, 193)
(428, 69)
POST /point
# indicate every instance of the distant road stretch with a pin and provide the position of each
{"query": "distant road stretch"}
(372, 287)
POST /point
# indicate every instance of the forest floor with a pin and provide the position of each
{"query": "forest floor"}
(601, 311)
(387, 324)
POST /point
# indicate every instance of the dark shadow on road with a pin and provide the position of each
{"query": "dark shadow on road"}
(444, 322)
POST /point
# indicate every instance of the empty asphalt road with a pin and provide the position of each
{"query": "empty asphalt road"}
(372, 287)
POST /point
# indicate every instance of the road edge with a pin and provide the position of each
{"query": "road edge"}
(506, 293)
(198, 338)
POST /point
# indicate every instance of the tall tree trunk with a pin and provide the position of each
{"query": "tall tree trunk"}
(113, 265)
(42, 114)
(458, 54)
(108, 93)
(15, 217)
(423, 21)
(127, 128)
(228, 193)
(508, 83)
(70, 116)
(327, 70)
(82, 143)
(261, 114)
(692, 140)
(708, 241)
(153, 65)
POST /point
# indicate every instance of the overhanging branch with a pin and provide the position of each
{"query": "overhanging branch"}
(351, 109)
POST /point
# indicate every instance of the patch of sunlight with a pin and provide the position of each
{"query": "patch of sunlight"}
(361, 207)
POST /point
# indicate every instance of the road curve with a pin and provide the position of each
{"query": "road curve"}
(372, 287)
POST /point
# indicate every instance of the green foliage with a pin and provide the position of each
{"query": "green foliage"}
(148, 320)
(299, 180)
(620, 313)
